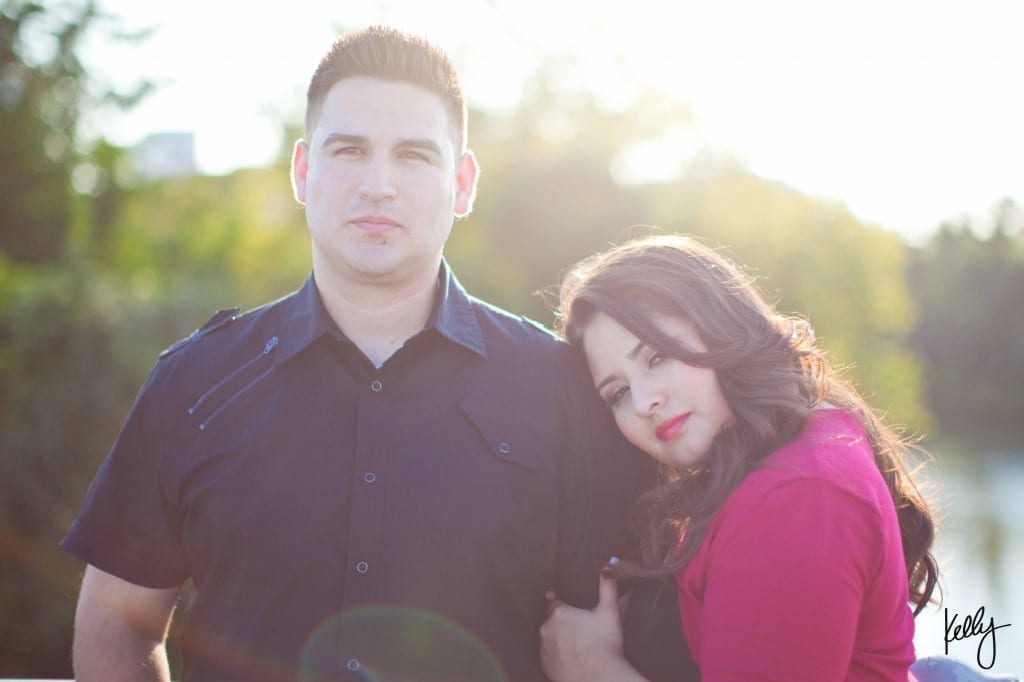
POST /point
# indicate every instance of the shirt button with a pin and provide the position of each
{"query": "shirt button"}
(504, 448)
(353, 664)
(362, 567)
(369, 477)
(376, 386)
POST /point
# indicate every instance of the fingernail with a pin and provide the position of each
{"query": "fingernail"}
(613, 561)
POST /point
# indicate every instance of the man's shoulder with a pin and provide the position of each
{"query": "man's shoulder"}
(522, 350)
(221, 318)
(227, 332)
(502, 325)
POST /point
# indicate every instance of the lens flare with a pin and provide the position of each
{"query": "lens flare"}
(392, 644)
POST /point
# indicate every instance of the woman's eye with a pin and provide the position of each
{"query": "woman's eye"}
(655, 359)
(617, 395)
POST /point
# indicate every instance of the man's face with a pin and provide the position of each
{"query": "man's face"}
(381, 181)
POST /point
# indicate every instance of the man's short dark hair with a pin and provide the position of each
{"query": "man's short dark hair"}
(389, 54)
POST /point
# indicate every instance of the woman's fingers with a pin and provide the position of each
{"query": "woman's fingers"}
(553, 601)
(608, 595)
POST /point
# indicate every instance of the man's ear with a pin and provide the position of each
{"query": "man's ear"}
(300, 169)
(465, 184)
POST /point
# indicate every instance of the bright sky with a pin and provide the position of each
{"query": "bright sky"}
(908, 111)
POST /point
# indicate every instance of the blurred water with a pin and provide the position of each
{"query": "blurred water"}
(980, 548)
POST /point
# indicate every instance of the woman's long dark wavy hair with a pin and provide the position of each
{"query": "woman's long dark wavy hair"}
(770, 371)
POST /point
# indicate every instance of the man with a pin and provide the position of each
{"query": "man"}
(377, 475)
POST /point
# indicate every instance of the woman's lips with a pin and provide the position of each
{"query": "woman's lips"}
(667, 430)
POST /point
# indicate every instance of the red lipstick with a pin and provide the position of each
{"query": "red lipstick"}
(670, 428)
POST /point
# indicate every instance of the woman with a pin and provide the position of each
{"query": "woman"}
(786, 517)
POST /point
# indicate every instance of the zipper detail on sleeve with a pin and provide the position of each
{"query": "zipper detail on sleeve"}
(267, 349)
(227, 403)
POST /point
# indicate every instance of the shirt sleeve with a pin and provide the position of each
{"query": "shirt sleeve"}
(786, 580)
(601, 475)
(126, 526)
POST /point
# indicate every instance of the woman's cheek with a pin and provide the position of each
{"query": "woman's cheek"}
(630, 429)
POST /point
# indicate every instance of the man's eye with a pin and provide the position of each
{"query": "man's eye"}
(348, 151)
(655, 359)
(414, 156)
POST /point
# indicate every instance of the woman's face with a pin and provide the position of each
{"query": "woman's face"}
(668, 409)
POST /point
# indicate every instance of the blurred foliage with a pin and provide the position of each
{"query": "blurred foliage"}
(40, 91)
(100, 269)
(548, 198)
(43, 92)
(970, 331)
(815, 259)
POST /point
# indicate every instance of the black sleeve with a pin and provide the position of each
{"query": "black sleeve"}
(126, 526)
(653, 632)
(602, 476)
(609, 474)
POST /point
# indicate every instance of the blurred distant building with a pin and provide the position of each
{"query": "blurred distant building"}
(164, 155)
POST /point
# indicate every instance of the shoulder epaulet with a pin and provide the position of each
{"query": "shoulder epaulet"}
(219, 319)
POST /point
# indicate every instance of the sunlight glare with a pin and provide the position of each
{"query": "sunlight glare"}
(907, 113)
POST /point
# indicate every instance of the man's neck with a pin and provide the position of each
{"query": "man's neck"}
(378, 319)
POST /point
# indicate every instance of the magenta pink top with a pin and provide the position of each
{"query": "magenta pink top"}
(801, 575)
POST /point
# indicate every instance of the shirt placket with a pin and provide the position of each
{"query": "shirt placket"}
(362, 579)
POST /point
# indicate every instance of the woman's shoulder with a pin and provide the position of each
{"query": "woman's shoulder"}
(832, 450)
(828, 467)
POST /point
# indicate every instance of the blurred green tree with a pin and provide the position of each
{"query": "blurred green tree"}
(971, 328)
(40, 90)
(44, 88)
(815, 259)
(63, 384)
(62, 393)
(548, 197)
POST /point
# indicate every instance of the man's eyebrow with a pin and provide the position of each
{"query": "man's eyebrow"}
(424, 143)
(343, 138)
(419, 143)
(631, 355)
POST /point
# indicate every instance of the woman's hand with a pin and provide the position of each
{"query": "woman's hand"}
(581, 644)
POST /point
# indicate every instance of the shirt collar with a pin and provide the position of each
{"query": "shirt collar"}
(452, 316)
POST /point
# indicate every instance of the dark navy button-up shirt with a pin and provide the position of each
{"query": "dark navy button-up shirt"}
(342, 519)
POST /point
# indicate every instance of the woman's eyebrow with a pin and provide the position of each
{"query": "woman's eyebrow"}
(631, 355)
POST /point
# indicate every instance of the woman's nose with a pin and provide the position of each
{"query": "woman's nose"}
(647, 400)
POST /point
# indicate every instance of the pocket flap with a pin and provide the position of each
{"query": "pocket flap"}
(507, 435)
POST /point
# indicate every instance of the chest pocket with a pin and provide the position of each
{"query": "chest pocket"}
(222, 394)
(509, 437)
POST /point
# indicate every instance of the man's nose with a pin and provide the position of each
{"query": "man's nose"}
(378, 182)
